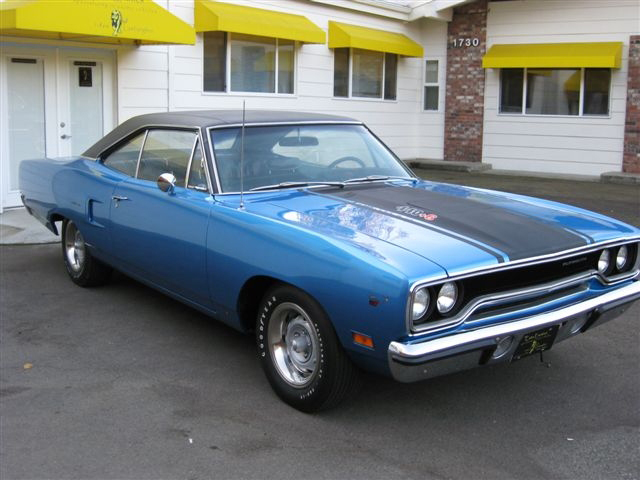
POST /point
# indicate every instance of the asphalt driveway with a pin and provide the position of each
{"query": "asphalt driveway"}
(123, 382)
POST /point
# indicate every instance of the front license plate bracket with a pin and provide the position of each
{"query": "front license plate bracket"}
(535, 342)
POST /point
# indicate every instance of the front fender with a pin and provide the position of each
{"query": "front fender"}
(362, 283)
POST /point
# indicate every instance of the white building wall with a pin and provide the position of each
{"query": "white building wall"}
(160, 78)
(431, 123)
(558, 144)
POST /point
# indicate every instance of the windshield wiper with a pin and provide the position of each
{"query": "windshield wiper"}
(374, 178)
(278, 186)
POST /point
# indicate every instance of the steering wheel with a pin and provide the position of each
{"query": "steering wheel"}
(349, 158)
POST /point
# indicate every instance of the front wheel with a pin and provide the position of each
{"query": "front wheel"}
(83, 269)
(300, 352)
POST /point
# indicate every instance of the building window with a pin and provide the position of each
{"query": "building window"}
(364, 74)
(431, 86)
(247, 63)
(555, 91)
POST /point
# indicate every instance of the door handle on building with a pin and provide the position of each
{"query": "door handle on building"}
(64, 136)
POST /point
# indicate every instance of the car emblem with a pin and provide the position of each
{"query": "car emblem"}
(417, 212)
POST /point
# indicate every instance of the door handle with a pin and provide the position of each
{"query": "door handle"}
(64, 136)
(118, 198)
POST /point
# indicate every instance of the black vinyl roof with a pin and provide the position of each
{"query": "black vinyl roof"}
(206, 118)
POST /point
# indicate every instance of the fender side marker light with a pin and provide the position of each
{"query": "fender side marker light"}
(362, 340)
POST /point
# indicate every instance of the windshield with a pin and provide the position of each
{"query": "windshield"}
(301, 154)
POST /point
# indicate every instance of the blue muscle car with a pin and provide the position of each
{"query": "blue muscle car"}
(308, 231)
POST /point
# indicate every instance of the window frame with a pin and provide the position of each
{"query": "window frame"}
(227, 80)
(426, 84)
(198, 140)
(523, 110)
(350, 95)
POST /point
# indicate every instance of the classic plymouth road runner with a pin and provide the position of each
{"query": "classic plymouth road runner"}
(307, 230)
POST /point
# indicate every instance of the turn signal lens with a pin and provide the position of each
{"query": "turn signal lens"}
(604, 261)
(420, 303)
(362, 339)
(447, 297)
(622, 257)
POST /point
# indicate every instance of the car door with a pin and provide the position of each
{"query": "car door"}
(157, 235)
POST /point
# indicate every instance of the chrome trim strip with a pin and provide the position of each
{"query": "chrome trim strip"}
(144, 141)
(310, 187)
(206, 164)
(488, 336)
(193, 149)
(301, 122)
(214, 164)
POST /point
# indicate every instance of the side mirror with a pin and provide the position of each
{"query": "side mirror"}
(167, 182)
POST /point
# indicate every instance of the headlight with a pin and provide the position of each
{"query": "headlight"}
(622, 257)
(447, 297)
(604, 261)
(420, 303)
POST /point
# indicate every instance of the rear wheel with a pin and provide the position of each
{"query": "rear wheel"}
(300, 352)
(83, 269)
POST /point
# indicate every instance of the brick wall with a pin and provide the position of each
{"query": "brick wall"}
(464, 102)
(631, 158)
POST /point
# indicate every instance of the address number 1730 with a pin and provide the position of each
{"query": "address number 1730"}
(466, 42)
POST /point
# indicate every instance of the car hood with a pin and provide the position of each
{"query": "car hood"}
(455, 227)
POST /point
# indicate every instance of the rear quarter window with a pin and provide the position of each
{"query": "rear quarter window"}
(125, 158)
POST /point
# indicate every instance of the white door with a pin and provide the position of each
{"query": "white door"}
(86, 101)
(53, 102)
(27, 122)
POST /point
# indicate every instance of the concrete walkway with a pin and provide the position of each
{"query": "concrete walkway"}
(18, 227)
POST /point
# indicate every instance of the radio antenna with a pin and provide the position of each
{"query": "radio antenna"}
(242, 158)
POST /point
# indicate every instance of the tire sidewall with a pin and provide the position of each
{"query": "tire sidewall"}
(309, 397)
(78, 277)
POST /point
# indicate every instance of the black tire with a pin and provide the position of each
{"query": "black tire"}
(300, 352)
(83, 269)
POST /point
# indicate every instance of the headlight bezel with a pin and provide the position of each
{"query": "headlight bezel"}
(615, 271)
(621, 267)
(424, 312)
(449, 306)
(432, 314)
(604, 262)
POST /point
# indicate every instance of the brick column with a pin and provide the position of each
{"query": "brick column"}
(464, 102)
(631, 157)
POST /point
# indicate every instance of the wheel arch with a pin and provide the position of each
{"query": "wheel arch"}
(53, 218)
(251, 295)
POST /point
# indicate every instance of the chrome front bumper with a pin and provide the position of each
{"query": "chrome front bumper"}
(462, 351)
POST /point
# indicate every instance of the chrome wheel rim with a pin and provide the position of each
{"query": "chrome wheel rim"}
(74, 247)
(293, 344)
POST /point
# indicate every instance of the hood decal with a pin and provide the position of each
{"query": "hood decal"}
(506, 234)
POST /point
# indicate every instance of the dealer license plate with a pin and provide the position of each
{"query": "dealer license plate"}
(535, 342)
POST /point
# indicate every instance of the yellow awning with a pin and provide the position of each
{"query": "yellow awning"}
(217, 16)
(343, 35)
(97, 21)
(555, 55)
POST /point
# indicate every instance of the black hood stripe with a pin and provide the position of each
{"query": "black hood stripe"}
(498, 231)
(500, 257)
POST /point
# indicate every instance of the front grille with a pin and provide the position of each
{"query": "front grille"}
(513, 305)
(529, 276)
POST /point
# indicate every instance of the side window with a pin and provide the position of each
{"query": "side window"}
(166, 151)
(125, 158)
(197, 175)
